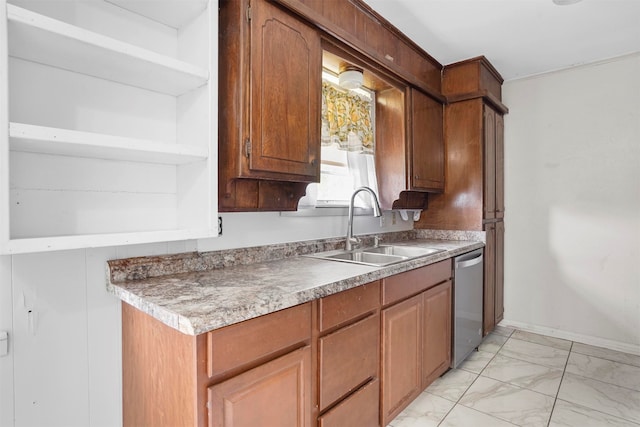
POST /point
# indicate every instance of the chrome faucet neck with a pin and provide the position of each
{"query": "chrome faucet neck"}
(350, 240)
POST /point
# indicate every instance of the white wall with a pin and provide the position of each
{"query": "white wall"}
(64, 369)
(572, 165)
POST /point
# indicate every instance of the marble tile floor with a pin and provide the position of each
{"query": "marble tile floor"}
(518, 378)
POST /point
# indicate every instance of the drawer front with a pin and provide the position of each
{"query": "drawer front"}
(403, 285)
(256, 339)
(344, 306)
(359, 409)
(348, 357)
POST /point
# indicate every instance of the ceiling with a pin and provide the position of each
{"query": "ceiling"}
(519, 37)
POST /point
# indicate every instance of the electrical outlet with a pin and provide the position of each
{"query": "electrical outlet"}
(383, 220)
(393, 218)
(219, 226)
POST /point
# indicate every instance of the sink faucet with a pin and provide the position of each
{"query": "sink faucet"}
(351, 241)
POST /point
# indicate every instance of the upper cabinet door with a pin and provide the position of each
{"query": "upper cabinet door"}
(499, 166)
(489, 163)
(286, 64)
(427, 151)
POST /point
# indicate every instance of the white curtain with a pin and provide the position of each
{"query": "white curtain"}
(363, 171)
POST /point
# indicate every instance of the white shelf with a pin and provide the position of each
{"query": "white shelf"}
(41, 39)
(44, 244)
(63, 142)
(174, 13)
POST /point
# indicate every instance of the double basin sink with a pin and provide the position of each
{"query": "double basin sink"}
(378, 256)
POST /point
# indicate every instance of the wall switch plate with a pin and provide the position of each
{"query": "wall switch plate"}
(4, 343)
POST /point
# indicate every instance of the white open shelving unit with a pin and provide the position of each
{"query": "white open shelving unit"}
(110, 115)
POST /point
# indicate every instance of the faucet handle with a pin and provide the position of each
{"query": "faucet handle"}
(377, 240)
(353, 243)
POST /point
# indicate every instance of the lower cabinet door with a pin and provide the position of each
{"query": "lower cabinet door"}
(401, 356)
(436, 352)
(360, 409)
(277, 393)
(499, 273)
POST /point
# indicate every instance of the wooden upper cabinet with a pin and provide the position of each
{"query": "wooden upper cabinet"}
(427, 143)
(356, 24)
(269, 107)
(499, 142)
(286, 64)
(493, 164)
(489, 163)
(409, 148)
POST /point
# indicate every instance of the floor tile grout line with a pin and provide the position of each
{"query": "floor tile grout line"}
(618, 417)
(555, 400)
(604, 382)
(608, 360)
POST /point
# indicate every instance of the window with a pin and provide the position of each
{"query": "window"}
(348, 146)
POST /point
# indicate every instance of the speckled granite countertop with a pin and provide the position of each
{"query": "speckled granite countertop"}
(194, 294)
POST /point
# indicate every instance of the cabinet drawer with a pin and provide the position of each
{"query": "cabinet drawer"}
(274, 394)
(254, 340)
(344, 306)
(403, 285)
(360, 409)
(348, 357)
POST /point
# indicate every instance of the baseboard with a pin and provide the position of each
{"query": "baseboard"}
(571, 336)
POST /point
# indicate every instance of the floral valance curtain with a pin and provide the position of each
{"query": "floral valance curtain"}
(346, 120)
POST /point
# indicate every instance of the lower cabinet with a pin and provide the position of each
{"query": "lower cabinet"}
(493, 276)
(355, 358)
(401, 350)
(273, 394)
(416, 338)
(436, 332)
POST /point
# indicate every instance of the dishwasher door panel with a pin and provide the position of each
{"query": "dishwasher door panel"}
(468, 300)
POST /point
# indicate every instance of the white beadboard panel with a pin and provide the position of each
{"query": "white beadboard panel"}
(104, 343)
(50, 324)
(49, 172)
(75, 101)
(6, 362)
(194, 181)
(44, 213)
(132, 251)
(110, 20)
(182, 246)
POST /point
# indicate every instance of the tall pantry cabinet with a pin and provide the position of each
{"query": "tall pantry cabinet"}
(473, 198)
(109, 118)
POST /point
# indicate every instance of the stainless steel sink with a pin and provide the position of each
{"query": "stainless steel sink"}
(404, 251)
(378, 256)
(367, 258)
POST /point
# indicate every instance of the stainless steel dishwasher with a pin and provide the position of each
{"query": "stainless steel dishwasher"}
(468, 300)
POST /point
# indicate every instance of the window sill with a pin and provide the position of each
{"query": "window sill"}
(328, 211)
